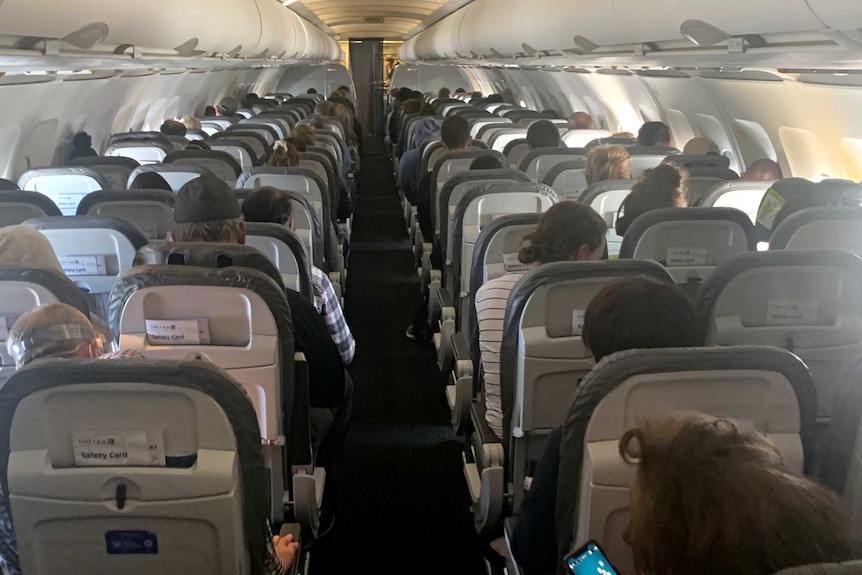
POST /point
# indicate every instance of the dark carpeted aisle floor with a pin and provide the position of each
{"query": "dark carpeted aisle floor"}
(400, 501)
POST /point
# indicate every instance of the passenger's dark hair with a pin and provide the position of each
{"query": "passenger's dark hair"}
(487, 162)
(82, 146)
(404, 94)
(311, 91)
(543, 134)
(661, 187)
(639, 313)
(443, 92)
(455, 132)
(460, 91)
(411, 107)
(551, 113)
(150, 181)
(210, 111)
(654, 134)
(417, 95)
(345, 88)
(173, 128)
(561, 232)
(494, 99)
(267, 205)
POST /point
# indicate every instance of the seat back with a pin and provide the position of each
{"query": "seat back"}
(115, 169)
(764, 389)
(448, 165)
(17, 206)
(254, 140)
(268, 132)
(240, 151)
(539, 162)
(173, 443)
(8, 184)
(479, 208)
(24, 289)
(152, 211)
(689, 242)
(455, 188)
(176, 175)
(499, 138)
(809, 302)
(820, 228)
(606, 198)
(242, 311)
(568, 178)
(219, 163)
(542, 355)
(742, 195)
(494, 254)
(142, 151)
(286, 251)
(93, 250)
(63, 186)
(699, 186)
(306, 223)
(220, 122)
(644, 157)
(580, 138)
(516, 151)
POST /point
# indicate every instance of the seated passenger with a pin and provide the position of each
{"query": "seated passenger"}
(708, 494)
(487, 163)
(284, 155)
(207, 211)
(460, 91)
(763, 170)
(191, 123)
(227, 107)
(661, 187)
(543, 134)
(82, 146)
(173, 128)
(654, 134)
(701, 147)
(150, 181)
(568, 231)
(494, 98)
(580, 121)
(311, 91)
(272, 205)
(409, 165)
(57, 330)
(628, 313)
(624, 135)
(209, 111)
(443, 93)
(607, 163)
(303, 136)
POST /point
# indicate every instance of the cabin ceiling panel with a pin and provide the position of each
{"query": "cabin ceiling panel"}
(372, 18)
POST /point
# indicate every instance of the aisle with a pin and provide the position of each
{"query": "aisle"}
(401, 504)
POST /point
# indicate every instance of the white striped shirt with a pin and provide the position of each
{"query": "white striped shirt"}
(491, 301)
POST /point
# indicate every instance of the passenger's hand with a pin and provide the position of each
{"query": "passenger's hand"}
(285, 548)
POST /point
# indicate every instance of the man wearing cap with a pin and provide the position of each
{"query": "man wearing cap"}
(206, 210)
(227, 107)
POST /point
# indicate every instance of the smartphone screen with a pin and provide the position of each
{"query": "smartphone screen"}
(590, 560)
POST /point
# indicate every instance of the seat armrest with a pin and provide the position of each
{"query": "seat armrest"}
(299, 439)
(461, 347)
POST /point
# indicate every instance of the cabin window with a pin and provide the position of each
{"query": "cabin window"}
(851, 158)
(754, 143)
(805, 154)
(627, 119)
(680, 128)
(649, 114)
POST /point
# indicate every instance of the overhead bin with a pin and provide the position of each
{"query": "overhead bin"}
(838, 14)
(529, 26)
(251, 26)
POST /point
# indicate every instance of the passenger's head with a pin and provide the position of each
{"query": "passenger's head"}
(52, 330)
(608, 163)
(711, 498)
(284, 155)
(426, 128)
(150, 181)
(304, 136)
(763, 170)
(411, 107)
(206, 210)
(460, 91)
(311, 91)
(487, 162)
(654, 134)
(661, 187)
(344, 88)
(638, 313)
(404, 94)
(191, 123)
(267, 205)
(543, 134)
(324, 108)
(227, 106)
(82, 146)
(209, 111)
(701, 147)
(22, 246)
(623, 135)
(494, 98)
(455, 133)
(417, 95)
(568, 231)
(580, 121)
(443, 93)
(173, 128)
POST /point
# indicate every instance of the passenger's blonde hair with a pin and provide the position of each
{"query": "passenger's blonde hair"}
(303, 136)
(709, 499)
(190, 122)
(608, 163)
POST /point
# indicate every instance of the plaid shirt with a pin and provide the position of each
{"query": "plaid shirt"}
(122, 354)
(326, 303)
